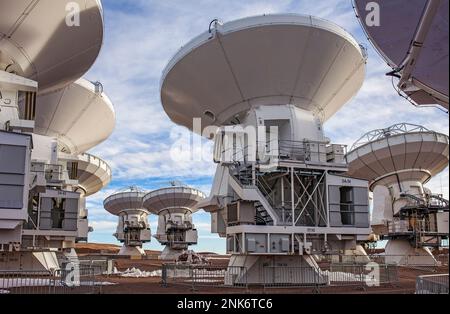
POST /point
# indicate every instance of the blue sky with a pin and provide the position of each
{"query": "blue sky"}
(141, 36)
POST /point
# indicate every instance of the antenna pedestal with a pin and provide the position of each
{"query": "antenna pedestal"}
(402, 253)
(127, 250)
(170, 254)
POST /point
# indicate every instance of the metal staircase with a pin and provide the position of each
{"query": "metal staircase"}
(262, 217)
(243, 175)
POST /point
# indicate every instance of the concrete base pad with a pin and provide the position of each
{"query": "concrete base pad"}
(402, 253)
(358, 255)
(132, 251)
(169, 254)
(273, 270)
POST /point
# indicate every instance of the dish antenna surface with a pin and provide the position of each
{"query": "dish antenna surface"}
(80, 115)
(412, 37)
(36, 41)
(265, 60)
(93, 174)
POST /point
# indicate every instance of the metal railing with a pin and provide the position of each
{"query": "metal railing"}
(399, 128)
(403, 260)
(91, 159)
(313, 151)
(203, 275)
(398, 225)
(305, 151)
(27, 282)
(266, 189)
(411, 260)
(220, 276)
(370, 274)
(301, 276)
(442, 259)
(432, 284)
(76, 279)
(99, 266)
(52, 172)
(336, 275)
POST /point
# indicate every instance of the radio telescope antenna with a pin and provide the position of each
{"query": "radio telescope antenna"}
(174, 206)
(397, 161)
(277, 78)
(133, 229)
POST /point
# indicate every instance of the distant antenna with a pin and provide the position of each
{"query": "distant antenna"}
(363, 162)
(133, 229)
(174, 205)
(397, 166)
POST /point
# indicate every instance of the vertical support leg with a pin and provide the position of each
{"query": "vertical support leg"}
(292, 197)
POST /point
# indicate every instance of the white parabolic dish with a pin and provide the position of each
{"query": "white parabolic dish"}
(126, 200)
(78, 115)
(412, 155)
(264, 60)
(37, 43)
(93, 173)
(173, 200)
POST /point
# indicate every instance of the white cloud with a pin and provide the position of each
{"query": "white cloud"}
(103, 226)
